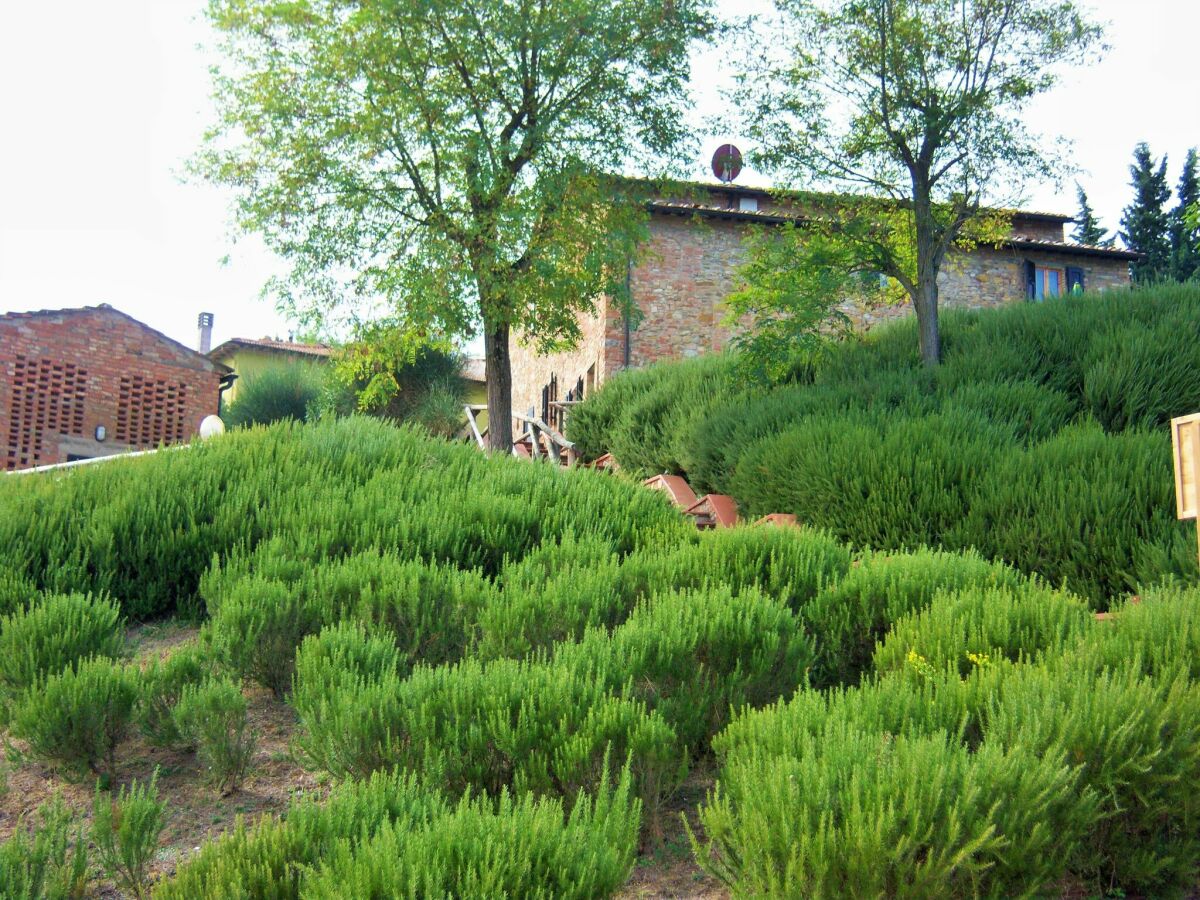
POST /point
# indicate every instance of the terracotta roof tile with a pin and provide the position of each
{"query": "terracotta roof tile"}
(673, 486)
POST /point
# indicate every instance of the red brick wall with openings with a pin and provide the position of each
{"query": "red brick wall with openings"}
(65, 374)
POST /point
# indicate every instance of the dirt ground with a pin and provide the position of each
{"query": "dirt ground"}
(195, 813)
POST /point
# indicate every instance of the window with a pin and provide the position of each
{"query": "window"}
(748, 204)
(1051, 281)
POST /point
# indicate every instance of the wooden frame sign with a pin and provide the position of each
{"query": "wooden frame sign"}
(1185, 442)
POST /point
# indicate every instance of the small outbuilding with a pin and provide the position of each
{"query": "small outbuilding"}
(81, 383)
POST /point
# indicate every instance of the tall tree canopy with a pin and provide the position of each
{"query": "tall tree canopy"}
(1185, 236)
(920, 101)
(1145, 222)
(1088, 229)
(438, 160)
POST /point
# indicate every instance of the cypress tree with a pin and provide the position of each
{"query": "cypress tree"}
(1185, 236)
(1088, 229)
(1145, 221)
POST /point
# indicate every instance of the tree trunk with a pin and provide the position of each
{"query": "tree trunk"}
(498, 372)
(928, 263)
(926, 304)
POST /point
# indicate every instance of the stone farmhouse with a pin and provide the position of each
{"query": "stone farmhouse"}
(81, 383)
(695, 244)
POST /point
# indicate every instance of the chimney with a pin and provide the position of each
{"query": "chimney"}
(205, 322)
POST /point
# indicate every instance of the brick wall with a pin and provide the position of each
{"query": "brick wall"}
(64, 373)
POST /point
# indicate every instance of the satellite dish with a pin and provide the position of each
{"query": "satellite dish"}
(727, 163)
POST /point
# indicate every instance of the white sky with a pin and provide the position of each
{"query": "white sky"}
(100, 103)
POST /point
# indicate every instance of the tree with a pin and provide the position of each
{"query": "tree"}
(1185, 236)
(1145, 223)
(797, 278)
(919, 101)
(1088, 229)
(433, 165)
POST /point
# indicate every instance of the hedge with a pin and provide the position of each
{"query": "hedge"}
(865, 442)
(154, 525)
(900, 482)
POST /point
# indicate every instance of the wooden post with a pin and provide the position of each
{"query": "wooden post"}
(1185, 442)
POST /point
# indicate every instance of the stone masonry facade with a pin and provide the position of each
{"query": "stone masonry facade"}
(687, 269)
(83, 383)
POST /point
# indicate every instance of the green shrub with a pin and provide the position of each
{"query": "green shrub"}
(1135, 744)
(54, 633)
(862, 814)
(77, 717)
(553, 594)
(1082, 508)
(716, 442)
(48, 862)
(849, 617)
(428, 610)
(789, 564)
(274, 393)
(269, 859)
(258, 626)
(1130, 743)
(590, 425)
(559, 591)
(1030, 410)
(643, 438)
(336, 659)
(506, 724)
(125, 830)
(327, 490)
(1160, 637)
(694, 656)
(162, 684)
(212, 718)
(368, 831)
(975, 627)
(17, 591)
(891, 483)
(518, 848)
(1143, 374)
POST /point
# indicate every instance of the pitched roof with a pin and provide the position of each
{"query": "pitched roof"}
(688, 208)
(105, 308)
(1072, 247)
(793, 194)
(315, 350)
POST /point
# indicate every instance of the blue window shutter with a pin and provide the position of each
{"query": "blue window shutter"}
(1030, 280)
(1074, 280)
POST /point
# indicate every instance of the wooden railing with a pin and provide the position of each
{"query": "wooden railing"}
(544, 440)
(473, 410)
(556, 447)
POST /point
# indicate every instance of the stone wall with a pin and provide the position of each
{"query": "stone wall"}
(679, 285)
(686, 271)
(65, 373)
(987, 277)
(531, 372)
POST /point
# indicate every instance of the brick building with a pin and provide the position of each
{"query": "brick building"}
(695, 245)
(82, 383)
